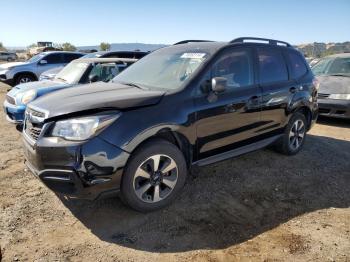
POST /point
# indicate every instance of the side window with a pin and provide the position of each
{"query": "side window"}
(105, 72)
(236, 66)
(297, 63)
(70, 57)
(272, 67)
(53, 58)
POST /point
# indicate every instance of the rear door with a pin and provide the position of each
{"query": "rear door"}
(227, 120)
(52, 60)
(277, 89)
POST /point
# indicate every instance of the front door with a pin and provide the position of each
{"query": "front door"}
(227, 120)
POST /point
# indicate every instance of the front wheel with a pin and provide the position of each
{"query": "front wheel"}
(24, 78)
(294, 135)
(154, 176)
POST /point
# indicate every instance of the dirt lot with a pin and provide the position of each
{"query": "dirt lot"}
(258, 207)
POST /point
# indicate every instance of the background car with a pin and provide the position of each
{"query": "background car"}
(333, 74)
(22, 72)
(50, 74)
(80, 71)
(8, 56)
(118, 54)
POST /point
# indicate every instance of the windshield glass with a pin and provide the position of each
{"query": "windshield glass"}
(332, 66)
(72, 72)
(36, 58)
(163, 69)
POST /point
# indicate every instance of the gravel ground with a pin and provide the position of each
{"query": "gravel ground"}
(262, 206)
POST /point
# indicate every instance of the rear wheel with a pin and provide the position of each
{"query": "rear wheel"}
(24, 78)
(154, 176)
(294, 135)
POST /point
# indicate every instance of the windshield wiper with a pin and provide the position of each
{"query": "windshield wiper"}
(345, 75)
(132, 84)
(60, 78)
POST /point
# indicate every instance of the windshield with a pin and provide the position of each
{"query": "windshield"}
(332, 66)
(36, 58)
(72, 72)
(163, 69)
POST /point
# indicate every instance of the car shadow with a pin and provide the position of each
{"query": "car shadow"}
(229, 202)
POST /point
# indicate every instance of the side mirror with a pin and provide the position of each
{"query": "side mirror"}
(218, 84)
(93, 78)
(43, 62)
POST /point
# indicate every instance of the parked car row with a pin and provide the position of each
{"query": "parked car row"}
(79, 71)
(8, 56)
(193, 103)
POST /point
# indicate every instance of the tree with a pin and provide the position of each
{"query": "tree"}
(68, 47)
(2, 48)
(105, 46)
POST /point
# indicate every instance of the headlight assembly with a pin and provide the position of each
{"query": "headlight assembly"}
(79, 129)
(339, 96)
(28, 96)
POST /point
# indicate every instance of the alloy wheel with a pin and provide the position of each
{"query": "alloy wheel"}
(25, 80)
(155, 178)
(296, 134)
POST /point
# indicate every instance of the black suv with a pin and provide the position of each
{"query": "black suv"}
(193, 103)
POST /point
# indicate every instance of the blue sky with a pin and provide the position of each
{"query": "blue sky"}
(89, 22)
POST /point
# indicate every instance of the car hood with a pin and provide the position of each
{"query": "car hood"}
(39, 86)
(334, 84)
(12, 64)
(95, 96)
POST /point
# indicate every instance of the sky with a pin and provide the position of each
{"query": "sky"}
(89, 22)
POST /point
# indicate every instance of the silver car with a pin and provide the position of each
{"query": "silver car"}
(22, 72)
(8, 56)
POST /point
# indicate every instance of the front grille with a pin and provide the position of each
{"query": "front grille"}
(33, 130)
(10, 100)
(33, 123)
(324, 111)
(321, 95)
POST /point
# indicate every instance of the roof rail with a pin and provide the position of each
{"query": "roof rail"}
(270, 41)
(191, 41)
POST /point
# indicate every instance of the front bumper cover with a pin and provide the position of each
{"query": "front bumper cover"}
(80, 170)
(338, 108)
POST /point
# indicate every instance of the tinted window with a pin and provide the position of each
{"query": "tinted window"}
(70, 57)
(297, 63)
(272, 67)
(236, 67)
(105, 72)
(53, 58)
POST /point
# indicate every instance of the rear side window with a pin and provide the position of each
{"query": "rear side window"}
(70, 57)
(53, 58)
(298, 66)
(272, 67)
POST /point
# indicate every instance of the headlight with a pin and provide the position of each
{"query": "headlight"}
(4, 71)
(339, 96)
(78, 129)
(28, 96)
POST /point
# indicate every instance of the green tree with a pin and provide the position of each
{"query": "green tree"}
(68, 47)
(2, 48)
(105, 46)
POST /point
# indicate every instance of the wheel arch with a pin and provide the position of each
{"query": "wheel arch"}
(169, 134)
(25, 73)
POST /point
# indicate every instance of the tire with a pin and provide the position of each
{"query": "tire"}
(292, 142)
(24, 78)
(145, 190)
